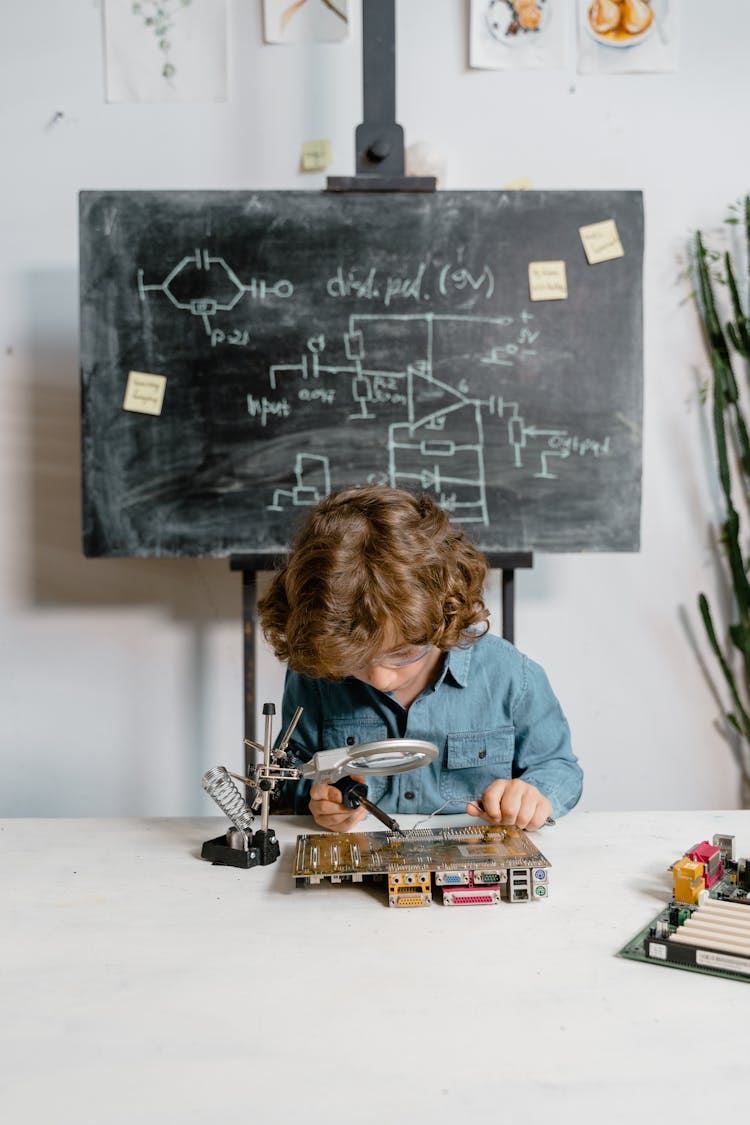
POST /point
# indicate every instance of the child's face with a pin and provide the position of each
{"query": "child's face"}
(402, 669)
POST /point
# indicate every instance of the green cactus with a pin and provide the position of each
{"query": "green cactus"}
(731, 443)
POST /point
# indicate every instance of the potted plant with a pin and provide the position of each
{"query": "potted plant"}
(729, 343)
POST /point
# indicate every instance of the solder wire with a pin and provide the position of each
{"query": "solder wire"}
(453, 801)
(439, 809)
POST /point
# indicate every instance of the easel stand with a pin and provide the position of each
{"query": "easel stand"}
(507, 562)
(379, 143)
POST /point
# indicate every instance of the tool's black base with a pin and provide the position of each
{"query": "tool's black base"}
(267, 845)
(264, 849)
(219, 852)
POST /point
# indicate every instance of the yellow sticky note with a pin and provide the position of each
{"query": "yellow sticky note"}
(523, 184)
(144, 393)
(316, 156)
(601, 241)
(548, 281)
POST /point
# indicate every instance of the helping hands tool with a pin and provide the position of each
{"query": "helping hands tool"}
(243, 847)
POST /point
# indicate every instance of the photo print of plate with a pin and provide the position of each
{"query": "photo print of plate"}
(622, 23)
(513, 21)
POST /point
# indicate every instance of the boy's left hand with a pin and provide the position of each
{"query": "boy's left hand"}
(513, 801)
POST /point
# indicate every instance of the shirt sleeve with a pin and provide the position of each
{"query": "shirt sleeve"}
(543, 754)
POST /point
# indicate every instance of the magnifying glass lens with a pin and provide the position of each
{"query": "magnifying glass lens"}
(395, 755)
(387, 762)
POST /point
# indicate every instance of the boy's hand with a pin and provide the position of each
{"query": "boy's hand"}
(512, 802)
(328, 809)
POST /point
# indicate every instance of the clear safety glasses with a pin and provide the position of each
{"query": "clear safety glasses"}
(409, 654)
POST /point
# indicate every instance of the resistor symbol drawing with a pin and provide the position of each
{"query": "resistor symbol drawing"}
(305, 493)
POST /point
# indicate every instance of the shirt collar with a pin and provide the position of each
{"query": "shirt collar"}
(457, 665)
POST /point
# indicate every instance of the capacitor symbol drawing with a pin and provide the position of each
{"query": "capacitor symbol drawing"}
(204, 285)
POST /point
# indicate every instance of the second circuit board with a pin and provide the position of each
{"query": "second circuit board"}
(705, 928)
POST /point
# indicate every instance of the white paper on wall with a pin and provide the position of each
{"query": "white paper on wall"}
(517, 34)
(627, 36)
(165, 50)
(305, 21)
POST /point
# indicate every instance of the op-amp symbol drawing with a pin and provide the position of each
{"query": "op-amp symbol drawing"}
(204, 285)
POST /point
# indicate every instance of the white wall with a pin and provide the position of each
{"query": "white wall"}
(121, 680)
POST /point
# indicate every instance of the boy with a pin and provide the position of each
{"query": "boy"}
(379, 615)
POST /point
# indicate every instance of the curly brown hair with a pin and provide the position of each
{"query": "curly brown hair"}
(371, 564)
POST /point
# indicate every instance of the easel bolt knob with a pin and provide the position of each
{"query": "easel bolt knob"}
(378, 150)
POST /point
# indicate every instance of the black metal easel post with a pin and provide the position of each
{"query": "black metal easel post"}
(508, 562)
(249, 565)
(379, 140)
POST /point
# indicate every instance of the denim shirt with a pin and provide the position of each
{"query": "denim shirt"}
(491, 713)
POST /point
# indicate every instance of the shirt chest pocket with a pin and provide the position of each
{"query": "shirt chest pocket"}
(350, 732)
(473, 759)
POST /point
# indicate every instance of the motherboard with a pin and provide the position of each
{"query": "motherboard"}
(469, 866)
(705, 928)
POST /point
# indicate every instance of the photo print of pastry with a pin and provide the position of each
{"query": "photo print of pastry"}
(620, 23)
(516, 34)
(626, 36)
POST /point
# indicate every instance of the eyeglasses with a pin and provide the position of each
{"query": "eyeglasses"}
(409, 654)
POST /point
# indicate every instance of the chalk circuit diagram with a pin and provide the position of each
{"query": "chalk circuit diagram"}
(438, 442)
(403, 374)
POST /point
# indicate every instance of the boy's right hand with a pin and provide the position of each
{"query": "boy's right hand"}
(328, 809)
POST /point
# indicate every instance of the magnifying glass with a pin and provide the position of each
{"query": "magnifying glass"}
(370, 759)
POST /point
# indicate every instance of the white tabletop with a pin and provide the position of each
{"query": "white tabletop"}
(139, 983)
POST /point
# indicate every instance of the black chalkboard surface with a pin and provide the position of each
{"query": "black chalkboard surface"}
(305, 341)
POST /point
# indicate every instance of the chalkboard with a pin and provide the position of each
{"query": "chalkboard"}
(305, 341)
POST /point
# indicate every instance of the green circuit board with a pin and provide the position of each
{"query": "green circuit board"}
(710, 936)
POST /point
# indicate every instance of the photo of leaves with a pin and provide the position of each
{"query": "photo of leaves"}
(165, 50)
